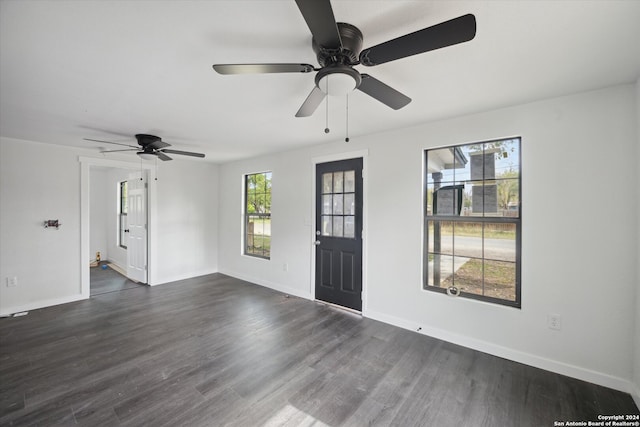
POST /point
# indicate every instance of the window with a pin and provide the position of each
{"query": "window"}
(257, 214)
(122, 214)
(472, 221)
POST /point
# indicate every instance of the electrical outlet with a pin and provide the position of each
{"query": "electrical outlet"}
(285, 267)
(554, 321)
(12, 282)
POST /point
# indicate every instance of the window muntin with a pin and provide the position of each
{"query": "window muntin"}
(472, 220)
(257, 213)
(122, 214)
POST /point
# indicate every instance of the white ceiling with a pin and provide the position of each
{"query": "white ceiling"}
(105, 69)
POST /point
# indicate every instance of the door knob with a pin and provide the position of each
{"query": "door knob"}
(317, 242)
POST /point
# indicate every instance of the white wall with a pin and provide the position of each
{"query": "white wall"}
(578, 253)
(98, 211)
(42, 181)
(38, 182)
(187, 227)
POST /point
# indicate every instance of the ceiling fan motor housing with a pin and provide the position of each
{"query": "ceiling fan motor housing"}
(144, 139)
(351, 38)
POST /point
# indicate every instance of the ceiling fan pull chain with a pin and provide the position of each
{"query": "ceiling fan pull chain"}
(346, 139)
(156, 168)
(326, 129)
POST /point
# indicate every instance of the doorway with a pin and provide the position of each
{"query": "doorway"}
(339, 225)
(146, 200)
(120, 255)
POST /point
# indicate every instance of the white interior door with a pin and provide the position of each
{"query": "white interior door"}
(137, 225)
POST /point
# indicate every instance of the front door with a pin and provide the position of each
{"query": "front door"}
(339, 233)
(137, 226)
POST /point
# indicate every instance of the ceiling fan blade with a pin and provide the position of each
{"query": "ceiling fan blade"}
(383, 93)
(448, 33)
(311, 103)
(109, 142)
(162, 156)
(262, 68)
(319, 17)
(182, 153)
(157, 145)
(117, 151)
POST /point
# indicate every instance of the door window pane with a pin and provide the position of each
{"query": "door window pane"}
(350, 226)
(349, 181)
(327, 204)
(337, 226)
(337, 204)
(349, 204)
(327, 183)
(338, 182)
(327, 225)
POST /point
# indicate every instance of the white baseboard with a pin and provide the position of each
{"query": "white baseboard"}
(267, 284)
(511, 354)
(5, 311)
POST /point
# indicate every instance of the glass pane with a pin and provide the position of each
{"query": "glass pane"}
(327, 183)
(350, 204)
(350, 226)
(266, 245)
(267, 182)
(429, 200)
(337, 226)
(251, 203)
(440, 268)
(257, 244)
(448, 200)
(327, 226)
(478, 160)
(440, 164)
(338, 182)
(468, 275)
(500, 279)
(484, 199)
(441, 237)
(468, 239)
(508, 159)
(337, 204)
(499, 242)
(349, 181)
(251, 184)
(327, 204)
(463, 164)
(508, 197)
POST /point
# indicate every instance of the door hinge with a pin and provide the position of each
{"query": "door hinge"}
(146, 185)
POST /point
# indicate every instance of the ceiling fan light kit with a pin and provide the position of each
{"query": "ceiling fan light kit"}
(338, 80)
(338, 48)
(147, 156)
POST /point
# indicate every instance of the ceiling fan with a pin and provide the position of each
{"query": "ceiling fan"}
(150, 147)
(338, 49)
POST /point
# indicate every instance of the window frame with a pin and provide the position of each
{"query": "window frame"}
(266, 254)
(429, 216)
(122, 212)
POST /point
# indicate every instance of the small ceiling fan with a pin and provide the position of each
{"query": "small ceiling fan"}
(338, 49)
(150, 147)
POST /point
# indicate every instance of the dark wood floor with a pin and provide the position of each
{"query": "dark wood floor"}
(215, 351)
(109, 280)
